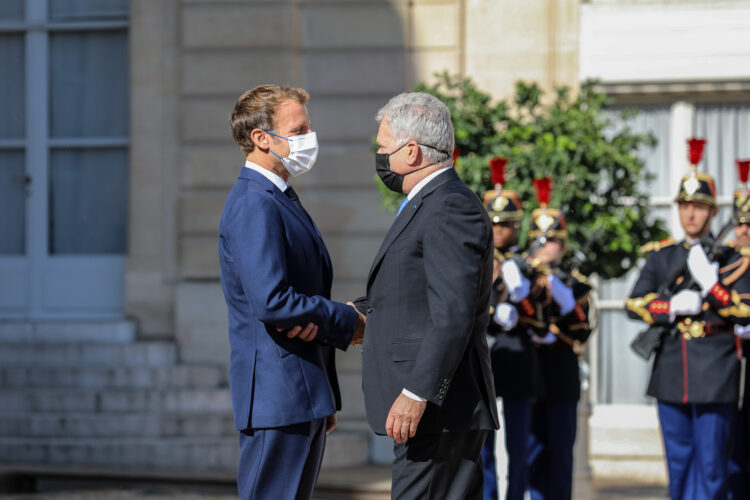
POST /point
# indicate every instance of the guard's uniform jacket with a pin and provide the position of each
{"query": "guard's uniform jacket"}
(514, 361)
(558, 362)
(699, 361)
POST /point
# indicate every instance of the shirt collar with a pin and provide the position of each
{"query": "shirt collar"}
(277, 181)
(424, 182)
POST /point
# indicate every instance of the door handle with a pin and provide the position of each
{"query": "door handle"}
(22, 179)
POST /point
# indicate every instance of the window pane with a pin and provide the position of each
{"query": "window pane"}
(89, 84)
(12, 93)
(726, 127)
(11, 10)
(88, 201)
(12, 203)
(87, 10)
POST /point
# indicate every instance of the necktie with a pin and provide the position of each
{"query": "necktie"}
(292, 195)
(403, 204)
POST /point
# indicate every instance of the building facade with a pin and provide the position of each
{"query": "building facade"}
(117, 157)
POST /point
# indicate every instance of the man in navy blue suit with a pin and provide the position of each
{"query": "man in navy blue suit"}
(276, 275)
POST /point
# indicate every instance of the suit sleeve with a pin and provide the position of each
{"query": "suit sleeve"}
(644, 302)
(258, 247)
(456, 248)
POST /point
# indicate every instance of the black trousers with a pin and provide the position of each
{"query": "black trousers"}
(439, 466)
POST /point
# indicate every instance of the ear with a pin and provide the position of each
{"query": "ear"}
(714, 211)
(259, 138)
(413, 153)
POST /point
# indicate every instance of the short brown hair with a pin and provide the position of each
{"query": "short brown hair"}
(256, 108)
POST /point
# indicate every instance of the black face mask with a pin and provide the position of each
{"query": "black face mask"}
(392, 180)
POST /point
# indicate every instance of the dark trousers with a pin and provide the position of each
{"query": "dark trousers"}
(439, 466)
(489, 467)
(739, 466)
(517, 423)
(281, 462)
(696, 437)
(550, 459)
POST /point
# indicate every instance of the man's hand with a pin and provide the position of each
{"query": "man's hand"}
(404, 418)
(330, 423)
(515, 282)
(685, 303)
(306, 334)
(359, 331)
(562, 294)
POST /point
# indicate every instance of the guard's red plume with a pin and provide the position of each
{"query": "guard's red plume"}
(743, 167)
(695, 152)
(543, 187)
(497, 170)
(456, 154)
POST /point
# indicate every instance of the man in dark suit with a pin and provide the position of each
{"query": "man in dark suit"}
(426, 366)
(276, 274)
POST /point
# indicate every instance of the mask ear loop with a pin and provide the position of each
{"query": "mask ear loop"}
(271, 150)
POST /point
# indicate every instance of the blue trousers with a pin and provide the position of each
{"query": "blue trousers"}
(696, 437)
(550, 460)
(517, 422)
(281, 462)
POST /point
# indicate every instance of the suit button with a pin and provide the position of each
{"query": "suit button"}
(369, 309)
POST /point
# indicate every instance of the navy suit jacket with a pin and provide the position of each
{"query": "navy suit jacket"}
(276, 272)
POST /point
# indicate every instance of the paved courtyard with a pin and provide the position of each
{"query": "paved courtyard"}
(362, 483)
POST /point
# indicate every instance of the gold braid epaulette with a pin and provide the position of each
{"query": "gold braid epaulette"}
(652, 246)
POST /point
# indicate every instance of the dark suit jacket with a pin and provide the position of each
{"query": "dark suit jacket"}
(428, 296)
(275, 271)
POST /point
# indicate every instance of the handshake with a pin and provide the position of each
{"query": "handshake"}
(309, 332)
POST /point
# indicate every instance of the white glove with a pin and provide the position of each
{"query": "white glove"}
(685, 303)
(517, 285)
(506, 315)
(742, 332)
(705, 272)
(562, 294)
(550, 338)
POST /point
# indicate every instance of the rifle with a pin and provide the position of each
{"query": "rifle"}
(579, 257)
(649, 340)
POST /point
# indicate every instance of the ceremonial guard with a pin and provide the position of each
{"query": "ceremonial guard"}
(558, 320)
(739, 479)
(514, 362)
(692, 293)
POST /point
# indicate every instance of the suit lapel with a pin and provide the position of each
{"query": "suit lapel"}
(284, 200)
(405, 217)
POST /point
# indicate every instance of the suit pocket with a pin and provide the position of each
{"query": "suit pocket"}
(405, 351)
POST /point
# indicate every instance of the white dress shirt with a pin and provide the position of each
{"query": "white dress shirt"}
(277, 181)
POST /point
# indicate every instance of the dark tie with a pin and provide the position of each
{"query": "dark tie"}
(292, 195)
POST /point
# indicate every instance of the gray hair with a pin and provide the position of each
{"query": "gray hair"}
(423, 118)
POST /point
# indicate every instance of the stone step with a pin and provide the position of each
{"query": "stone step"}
(199, 453)
(87, 377)
(67, 330)
(115, 400)
(107, 425)
(151, 353)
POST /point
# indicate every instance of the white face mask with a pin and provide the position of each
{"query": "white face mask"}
(303, 150)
